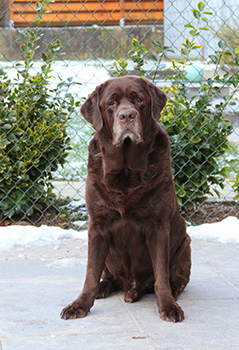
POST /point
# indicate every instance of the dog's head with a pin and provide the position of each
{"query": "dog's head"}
(124, 107)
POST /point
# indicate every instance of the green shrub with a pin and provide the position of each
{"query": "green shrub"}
(33, 138)
(198, 139)
(229, 33)
(235, 186)
(197, 129)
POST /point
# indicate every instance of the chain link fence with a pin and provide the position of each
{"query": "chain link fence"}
(43, 138)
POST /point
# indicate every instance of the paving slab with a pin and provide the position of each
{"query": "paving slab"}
(33, 292)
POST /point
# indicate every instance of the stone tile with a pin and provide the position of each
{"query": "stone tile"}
(32, 296)
(32, 306)
(208, 324)
(77, 341)
(224, 258)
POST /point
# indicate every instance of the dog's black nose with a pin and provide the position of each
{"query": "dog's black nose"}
(126, 115)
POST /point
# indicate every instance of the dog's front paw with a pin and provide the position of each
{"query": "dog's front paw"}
(172, 312)
(74, 310)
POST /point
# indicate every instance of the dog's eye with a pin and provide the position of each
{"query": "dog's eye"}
(111, 102)
(139, 99)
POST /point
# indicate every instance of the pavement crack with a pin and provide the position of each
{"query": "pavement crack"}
(142, 333)
(217, 271)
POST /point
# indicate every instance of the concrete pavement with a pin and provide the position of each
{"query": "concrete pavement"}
(33, 292)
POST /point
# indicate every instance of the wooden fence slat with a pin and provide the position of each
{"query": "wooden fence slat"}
(75, 12)
(85, 16)
(61, 1)
(91, 7)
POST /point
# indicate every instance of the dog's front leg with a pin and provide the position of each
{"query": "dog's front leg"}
(98, 246)
(158, 246)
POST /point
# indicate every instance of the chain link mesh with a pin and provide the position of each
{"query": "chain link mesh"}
(93, 34)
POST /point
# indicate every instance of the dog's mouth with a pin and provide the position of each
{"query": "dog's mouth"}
(127, 138)
(127, 142)
(130, 136)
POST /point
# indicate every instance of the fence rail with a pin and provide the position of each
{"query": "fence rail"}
(77, 13)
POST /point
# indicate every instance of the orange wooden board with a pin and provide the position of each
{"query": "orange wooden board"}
(75, 12)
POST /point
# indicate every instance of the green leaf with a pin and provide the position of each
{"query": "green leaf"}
(135, 43)
(6, 126)
(188, 25)
(18, 65)
(157, 43)
(203, 28)
(4, 143)
(23, 47)
(184, 50)
(193, 32)
(225, 68)
(58, 42)
(152, 57)
(132, 52)
(221, 44)
(44, 56)
(38, 6)
(196, 13)
(214, 58)
(208, 13)
(201, 5)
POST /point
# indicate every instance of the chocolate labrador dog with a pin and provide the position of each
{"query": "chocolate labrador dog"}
(137, 237)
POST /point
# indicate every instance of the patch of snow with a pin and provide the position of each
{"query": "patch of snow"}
(225, 231)
(16, 236)
(89, 75)
(75, 203)
(79, 223)
(66, 262)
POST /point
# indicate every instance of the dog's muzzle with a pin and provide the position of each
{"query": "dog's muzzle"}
(127, 124)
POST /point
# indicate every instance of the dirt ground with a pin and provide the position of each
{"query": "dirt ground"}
(208, 212)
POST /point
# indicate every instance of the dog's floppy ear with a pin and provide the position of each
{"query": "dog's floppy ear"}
(91, 109)
(158, 100)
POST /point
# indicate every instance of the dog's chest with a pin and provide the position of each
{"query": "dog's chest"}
(127, 231)
(128, 257)
(128, 238)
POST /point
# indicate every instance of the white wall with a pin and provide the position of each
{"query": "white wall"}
(177, 13)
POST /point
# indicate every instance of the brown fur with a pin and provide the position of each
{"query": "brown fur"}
(137, 237)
